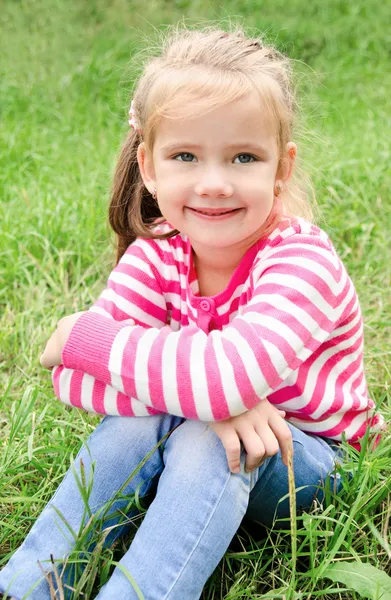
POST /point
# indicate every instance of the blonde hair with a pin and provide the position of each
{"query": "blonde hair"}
(197, 71)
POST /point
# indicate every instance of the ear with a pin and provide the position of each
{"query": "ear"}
(287, 161)
(147, 170)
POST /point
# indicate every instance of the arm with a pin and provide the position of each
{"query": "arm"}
(133, 294)
(300, 293)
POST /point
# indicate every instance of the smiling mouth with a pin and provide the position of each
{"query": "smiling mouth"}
(214, 212)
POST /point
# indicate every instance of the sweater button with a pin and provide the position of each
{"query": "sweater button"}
(205, 305)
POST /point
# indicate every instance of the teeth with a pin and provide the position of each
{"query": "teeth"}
(214, 214)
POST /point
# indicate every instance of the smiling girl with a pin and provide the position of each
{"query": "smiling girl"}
(229, 323)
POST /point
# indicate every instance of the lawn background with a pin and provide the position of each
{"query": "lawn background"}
(66, 74)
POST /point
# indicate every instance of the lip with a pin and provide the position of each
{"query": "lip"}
(213, 213)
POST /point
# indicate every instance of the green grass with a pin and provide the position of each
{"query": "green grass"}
(66, 74)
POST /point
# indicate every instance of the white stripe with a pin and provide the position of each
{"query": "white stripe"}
(175, 300)
(298, 247)
(64, 385)
(328, 397)
(319, 426)
(353, 323)
(179, 252)
(135, 261)
(192, 315)
(116, 357)
(110, 401)
(101, 311)
(198, 377)
(152, 255)
(129, 308)
(86, 392)
(314, 267)
(296, 284)
(175, 325)
(134, 285)
(225, 308)
(139, 409)
(356, 424)
(300, 401)
(278, 302)
(257, 380)
(169, 376)
(278, 359)
(141, 362)
(182, 281)
(227, 377)
(275, 325)
(333, 421)
(361, 389)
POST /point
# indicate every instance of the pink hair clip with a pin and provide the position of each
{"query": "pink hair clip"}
(132, 121)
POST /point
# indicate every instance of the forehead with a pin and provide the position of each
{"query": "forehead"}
(245, 119)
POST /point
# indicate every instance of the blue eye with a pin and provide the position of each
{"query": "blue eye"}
(184, 157)
(247, 158)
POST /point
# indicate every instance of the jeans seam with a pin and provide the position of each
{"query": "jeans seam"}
(199, 539)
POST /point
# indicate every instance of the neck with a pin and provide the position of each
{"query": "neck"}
(222, 261)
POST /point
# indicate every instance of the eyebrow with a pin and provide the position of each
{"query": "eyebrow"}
(237, 146)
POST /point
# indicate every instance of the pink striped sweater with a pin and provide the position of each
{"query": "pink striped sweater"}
(288, 327)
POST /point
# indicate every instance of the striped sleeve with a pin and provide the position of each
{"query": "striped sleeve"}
(133, 291)
(300, 292)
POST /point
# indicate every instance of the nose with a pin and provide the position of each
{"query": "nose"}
(213, 182)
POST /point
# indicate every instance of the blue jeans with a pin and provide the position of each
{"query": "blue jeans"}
(198, 506)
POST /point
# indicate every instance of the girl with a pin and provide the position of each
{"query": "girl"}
(229, 324)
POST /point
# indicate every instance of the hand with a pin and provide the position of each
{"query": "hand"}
(262, 430)
(54, 347)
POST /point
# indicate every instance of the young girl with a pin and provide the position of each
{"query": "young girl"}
(229, 321)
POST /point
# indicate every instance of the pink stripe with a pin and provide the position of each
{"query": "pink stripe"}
(136, 273)
(124, 405)
(247, 392)
(292, 391)
(289, 392)
(344, 423)
(266, 366)
(288, 320)
(220, 409)
(183, 377)
(372, 421)
(323, 375)
(296, 297)
(89, 345)
(311, 255)
(309, 277)
(127, 367)
(56, 373)
(75, 389)
(339, 399)
(119, 315)
(293, 356)
(98, 394)
(155, 371)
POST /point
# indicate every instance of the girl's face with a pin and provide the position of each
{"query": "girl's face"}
(215, 174)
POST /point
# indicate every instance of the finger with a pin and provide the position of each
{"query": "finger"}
(269, 440)
(283, 435)
(47, 359)
(44, 360)
(45, 356)
(254, 447)
(231, 443)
